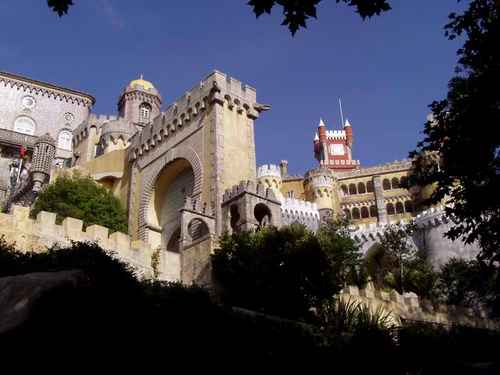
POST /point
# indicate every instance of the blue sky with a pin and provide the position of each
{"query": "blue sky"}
(386, 69)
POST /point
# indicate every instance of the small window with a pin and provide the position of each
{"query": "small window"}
(408, 206)
(390, 209)
(290, 194)
(404, 182)
(369, 186)
(144, 112)
(361, 188)
(373, 211)
(347, 214)
(399, 208)
(344, 189)
(364, 212)
(395, 183)
(352, 189)
(386, 184)
(355, 213)
(64, 140)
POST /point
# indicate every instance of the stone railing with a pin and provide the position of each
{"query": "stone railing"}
(15, 138)
(42, 233)
(410, 307)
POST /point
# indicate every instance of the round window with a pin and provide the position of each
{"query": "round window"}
(69, 117)
(24, 125)
(28, 102)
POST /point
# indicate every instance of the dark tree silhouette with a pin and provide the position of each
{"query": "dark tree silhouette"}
(460, 154)
(296, 12)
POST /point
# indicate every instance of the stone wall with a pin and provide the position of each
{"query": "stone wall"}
(410, 307)
(41, 233)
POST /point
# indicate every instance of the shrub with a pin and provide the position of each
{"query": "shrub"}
(82, 198)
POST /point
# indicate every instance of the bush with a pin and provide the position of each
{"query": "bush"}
(281, 272)
(82, 198)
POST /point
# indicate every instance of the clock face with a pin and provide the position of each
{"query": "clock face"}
(337, 149)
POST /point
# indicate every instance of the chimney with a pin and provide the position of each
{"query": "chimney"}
(284, 168)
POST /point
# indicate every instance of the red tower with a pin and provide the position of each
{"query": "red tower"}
(333, 148)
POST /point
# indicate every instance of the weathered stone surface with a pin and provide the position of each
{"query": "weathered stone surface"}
(19, 294)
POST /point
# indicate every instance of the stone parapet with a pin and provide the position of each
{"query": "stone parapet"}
(299, 211)
(395, 166)
(270, 170)
(409, 306)
(249, 187)
(42, 233)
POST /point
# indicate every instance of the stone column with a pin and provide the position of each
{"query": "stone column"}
(379, 198)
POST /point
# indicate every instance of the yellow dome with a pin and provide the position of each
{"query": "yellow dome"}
(141, 82)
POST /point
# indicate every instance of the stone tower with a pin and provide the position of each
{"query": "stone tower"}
(139, 103)
(319, 188)
(269, 175)
(333, 148)
(44, 152)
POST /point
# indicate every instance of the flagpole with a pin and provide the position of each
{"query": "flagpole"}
(341, 113)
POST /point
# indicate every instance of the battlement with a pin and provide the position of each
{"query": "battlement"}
(321, 181)
(101, 118)
(42, 233)
(432, 217)
(215, 88)
(335, 134)
(198, 207)
(270, 170)
(249, 187)
(299, 206)
(409, 306)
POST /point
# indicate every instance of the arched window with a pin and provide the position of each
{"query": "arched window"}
(403, 183)
(25, 125)
(386, 184)
(390, 209)
(364, 213)
(344, 189)
(369, 186)
(262, 214)
(347, 214)
(64, 139)
(361, 188)
(408, 206)
(197, 229)
(355, 213)
(373, 211)
(144, 112)
(352, 189)
(395, 183)
(399, 208)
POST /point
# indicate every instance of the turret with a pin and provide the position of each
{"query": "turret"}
(115, 135)
(269, 175)
(140, 102)
(44, 152)
(318, 185)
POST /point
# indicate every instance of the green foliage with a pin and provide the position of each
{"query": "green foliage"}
(395, 263)
(82, 198)
(281, 272)
(460, 153)
(343, 253)
(471, 283)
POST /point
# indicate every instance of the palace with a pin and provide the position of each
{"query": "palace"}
(187, 172)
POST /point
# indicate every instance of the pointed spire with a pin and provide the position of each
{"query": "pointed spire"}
(142, 77)
(316, 137)
(321, 123)
(347, 123)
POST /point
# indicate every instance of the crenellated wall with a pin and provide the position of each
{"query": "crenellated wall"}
(41, 233)
(410, 307)
(430, 237)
